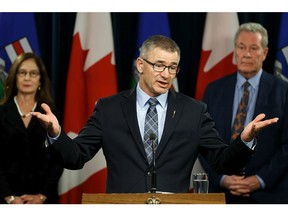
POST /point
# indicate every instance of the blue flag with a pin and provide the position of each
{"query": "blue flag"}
(18, 35)
(281, 63)
(150, 24)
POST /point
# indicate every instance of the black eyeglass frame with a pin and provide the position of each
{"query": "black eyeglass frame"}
(156, 67)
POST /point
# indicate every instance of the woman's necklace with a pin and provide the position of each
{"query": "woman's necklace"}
(21, 114)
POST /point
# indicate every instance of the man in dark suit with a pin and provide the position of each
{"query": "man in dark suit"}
(265, 177)
(185, 129)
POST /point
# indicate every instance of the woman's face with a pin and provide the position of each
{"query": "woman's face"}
(28, 77)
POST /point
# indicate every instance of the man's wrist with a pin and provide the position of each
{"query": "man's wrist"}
(222, 181)
(50, 139)
(250, 144)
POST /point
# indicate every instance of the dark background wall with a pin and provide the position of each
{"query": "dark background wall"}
(55, 32)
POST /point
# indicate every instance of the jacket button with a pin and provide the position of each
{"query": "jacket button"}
(149, 173)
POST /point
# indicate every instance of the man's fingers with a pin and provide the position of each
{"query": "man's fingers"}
(259, 124)
(237, 177)
(273, 120)
(46, 108)
(259, 117)
(262, 124)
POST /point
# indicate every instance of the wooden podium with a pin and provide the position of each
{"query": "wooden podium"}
(142, 198)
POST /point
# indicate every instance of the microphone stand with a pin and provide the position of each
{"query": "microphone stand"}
(153, 199)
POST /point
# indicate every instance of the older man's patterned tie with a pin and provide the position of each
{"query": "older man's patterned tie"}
(151, 126)
(240, 118)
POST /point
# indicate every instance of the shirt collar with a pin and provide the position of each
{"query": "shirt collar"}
(254, 81)
(142, 97)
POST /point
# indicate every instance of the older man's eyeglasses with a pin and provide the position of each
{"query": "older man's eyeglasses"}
(173, 69)
(32, 74)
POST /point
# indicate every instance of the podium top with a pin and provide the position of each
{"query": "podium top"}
(141, 198)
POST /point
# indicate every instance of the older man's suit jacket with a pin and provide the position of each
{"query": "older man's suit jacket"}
(270, 160)
(188, 130)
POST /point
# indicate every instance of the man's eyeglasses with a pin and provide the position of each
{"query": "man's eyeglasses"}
(173, 69)
(32, 74)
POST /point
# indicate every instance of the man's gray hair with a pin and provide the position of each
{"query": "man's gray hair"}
(160, 41)
(254, 28)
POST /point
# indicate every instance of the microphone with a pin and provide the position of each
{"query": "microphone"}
(152, 138)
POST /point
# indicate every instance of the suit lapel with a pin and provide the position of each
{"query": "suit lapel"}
(228, 102)
(174, 111)
(129, 109)
(264, 89)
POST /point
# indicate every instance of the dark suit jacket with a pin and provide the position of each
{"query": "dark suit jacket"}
(113, 126)
(270, 160)
(25, 165)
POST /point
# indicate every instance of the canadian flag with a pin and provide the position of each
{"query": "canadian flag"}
(91, 75)
(217, 49)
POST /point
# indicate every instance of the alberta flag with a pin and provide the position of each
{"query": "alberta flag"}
(217, 52)
(151, 24)
(18, 35)
(91, 75)
(281, 63)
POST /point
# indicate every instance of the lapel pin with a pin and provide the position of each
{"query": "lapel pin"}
(173, 113)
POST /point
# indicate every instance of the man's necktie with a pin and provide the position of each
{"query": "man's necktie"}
(240, 117)
(151, 126)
